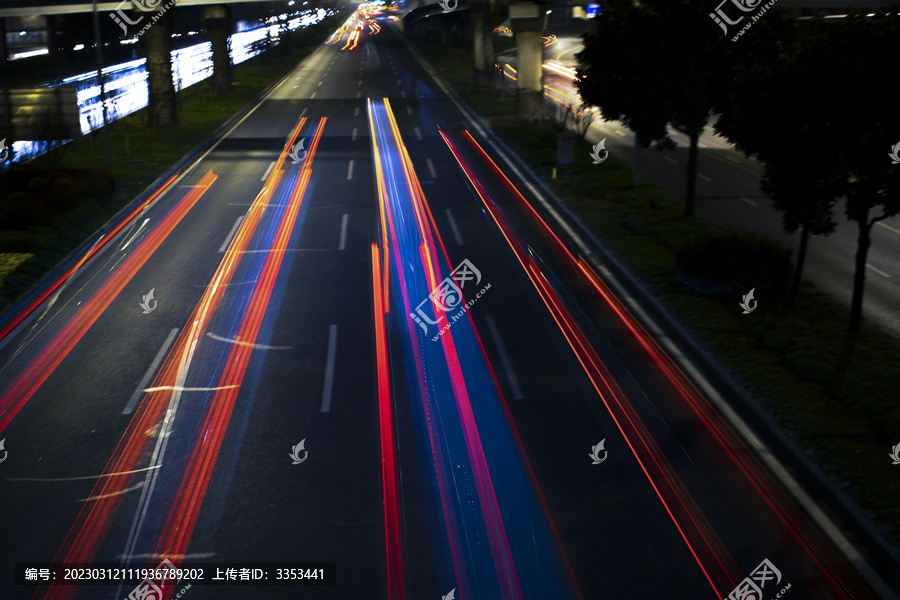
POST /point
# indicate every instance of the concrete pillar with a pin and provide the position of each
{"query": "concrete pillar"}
(3, 49)
(217, 21)
(529, 19)
(157, 40)
(52, 43)
(483, 36)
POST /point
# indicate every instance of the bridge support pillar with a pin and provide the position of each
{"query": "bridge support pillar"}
(162, 108)
(217, 21)
(3, 49)
(529, 19)
(52, 43)
(483, 36)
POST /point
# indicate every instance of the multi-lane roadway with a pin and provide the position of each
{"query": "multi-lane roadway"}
(374, 342)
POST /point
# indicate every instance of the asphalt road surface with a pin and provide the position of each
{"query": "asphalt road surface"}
(378, 350)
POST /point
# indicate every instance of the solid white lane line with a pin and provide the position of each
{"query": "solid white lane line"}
(159, 453)
(329, 368)
(132, 402)
(117, 262)
(220, 338)
(82, 478)
(888, 227)
(353, 137)
(879, 271)
(431, 168)
(459, 241)
(350, 169)
(418, 133)
(504, 358)
(268, 170)
(343, 243)
(188, 389)
(231, 233)
(131, 239)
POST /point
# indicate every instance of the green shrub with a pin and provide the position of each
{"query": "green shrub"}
(730, 263)
(37, 183)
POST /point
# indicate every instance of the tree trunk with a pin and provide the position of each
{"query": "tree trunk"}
(163, 109)
(483, 43)
(691, 192)
(3, 50)
(798, 268)
(218, 25)
(859, 276)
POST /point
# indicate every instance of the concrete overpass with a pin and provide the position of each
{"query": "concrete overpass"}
(30, 8)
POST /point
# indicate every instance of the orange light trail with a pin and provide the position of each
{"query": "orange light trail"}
(504, 564)
(191, 492)
(87, 256)
(383, 213)
(450, 516)
(27, 382)
(93, 521)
